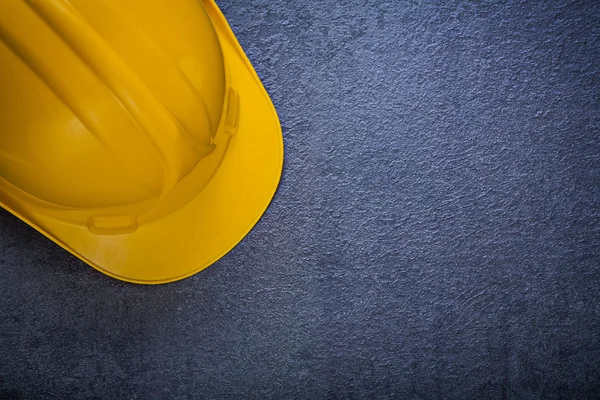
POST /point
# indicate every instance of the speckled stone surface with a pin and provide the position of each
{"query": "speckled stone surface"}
(436, 233)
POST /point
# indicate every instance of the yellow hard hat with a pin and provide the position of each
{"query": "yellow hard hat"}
(133, 133)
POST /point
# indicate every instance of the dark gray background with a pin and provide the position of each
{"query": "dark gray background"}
(436, 233)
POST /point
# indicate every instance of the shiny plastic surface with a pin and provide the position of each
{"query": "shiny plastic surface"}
(135, 134)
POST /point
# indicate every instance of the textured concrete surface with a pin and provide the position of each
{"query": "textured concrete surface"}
(436, 233)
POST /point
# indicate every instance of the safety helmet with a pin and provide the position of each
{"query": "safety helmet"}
(133, 133)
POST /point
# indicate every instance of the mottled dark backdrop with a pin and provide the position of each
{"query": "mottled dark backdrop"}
(436, 233)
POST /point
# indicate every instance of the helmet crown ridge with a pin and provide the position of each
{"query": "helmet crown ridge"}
(120, 119)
